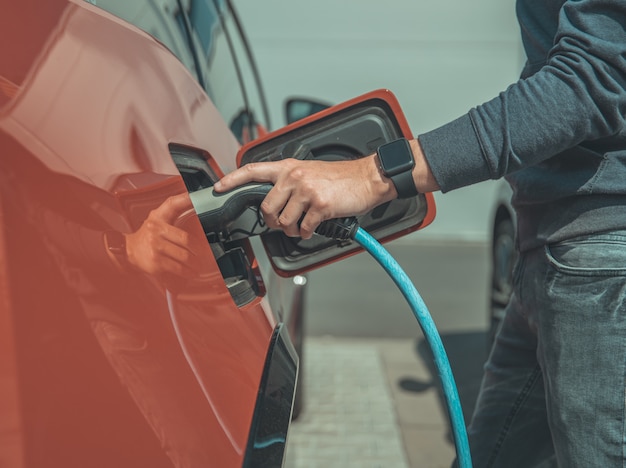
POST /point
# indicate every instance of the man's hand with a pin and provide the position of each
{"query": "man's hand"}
(322, 190)
(319, 190)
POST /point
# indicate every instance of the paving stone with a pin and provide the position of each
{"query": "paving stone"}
(349, 419)
(358, 414)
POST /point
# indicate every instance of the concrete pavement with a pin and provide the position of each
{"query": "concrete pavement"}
(374, 403)
(365, 356)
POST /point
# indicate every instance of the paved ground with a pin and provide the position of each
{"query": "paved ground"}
(371, 403)
(372, 395)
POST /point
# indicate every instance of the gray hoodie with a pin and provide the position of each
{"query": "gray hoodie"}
(559, 133)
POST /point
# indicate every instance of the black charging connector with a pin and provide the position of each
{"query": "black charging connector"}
(338, 228)
(218, 211)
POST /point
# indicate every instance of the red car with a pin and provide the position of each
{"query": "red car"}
(132, 336)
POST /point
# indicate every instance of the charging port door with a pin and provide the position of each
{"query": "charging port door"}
(350, 130)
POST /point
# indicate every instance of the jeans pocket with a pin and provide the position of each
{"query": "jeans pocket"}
(593, 255)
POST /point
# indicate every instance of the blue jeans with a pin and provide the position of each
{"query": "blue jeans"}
(553, 391)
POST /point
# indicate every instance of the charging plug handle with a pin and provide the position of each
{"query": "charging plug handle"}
(218, 210)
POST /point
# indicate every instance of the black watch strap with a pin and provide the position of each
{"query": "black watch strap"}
(405, 185)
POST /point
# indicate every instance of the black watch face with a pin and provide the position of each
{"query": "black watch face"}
(396, 157)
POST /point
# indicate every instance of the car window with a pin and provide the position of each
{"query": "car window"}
(217, 39)
(256, 107)
(161, 19)
(222, 64)
(216, 61)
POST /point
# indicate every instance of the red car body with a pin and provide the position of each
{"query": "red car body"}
(127, 339)
(104, 365)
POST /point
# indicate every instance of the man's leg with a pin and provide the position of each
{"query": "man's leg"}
(509, 428)
(581, 321)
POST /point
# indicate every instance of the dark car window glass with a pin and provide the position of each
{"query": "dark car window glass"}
(161, 19)
(222, 76)
(219, 68)
(256, 114)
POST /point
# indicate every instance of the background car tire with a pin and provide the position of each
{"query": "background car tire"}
(503, 259)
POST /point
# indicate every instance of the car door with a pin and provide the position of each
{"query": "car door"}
(111, 364)
(133, 335)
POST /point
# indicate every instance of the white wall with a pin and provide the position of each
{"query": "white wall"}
(439, 57)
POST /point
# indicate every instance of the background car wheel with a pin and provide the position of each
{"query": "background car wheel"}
(503, 260)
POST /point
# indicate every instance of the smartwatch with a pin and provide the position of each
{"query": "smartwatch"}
(397, 163)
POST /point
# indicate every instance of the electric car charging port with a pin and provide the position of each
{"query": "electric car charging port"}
(239, 275)
(232, 254)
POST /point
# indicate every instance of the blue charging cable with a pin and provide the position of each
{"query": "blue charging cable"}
(349, 228)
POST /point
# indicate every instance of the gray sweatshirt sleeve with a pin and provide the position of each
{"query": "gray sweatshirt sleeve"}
(575, 94)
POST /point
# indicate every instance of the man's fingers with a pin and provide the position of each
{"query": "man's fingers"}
(309, 224)
(290, 216)
(273, 205)
(253, 172)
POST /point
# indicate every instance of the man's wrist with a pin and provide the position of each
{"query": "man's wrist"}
(382, 188)
(422, 175)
